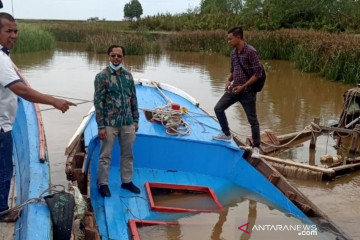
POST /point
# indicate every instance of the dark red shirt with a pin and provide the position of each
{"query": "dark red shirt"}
(250, 62)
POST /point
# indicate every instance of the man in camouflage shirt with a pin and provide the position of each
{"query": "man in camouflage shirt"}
(117, 116)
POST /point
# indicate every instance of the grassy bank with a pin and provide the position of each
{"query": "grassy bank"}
(334, 56)
(32, 38)
(134, 44)
(98, 36)
(188, 21)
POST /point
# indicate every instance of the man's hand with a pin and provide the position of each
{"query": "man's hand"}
(102, 134)
(136, 125)
(227, 85)
(37, 97)
(238, 89)
(63, 105)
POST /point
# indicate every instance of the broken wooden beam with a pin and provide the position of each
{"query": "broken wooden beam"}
(302, 165)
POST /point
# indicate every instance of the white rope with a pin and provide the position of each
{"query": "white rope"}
(34, 200)
(161, 92)
(171, 119)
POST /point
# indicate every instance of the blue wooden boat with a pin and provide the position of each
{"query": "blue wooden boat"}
(170, 157)
(32, 173)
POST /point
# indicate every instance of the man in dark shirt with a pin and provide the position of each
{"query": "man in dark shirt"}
(244, 60)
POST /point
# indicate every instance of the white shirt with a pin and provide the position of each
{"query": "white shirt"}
(8, 99)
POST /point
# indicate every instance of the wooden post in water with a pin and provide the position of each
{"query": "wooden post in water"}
(355, 139)
(312, 157)
(314, 134)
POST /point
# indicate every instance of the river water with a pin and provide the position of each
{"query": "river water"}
(289, 102)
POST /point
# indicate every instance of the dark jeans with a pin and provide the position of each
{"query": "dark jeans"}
(6, 168)
(248, 102)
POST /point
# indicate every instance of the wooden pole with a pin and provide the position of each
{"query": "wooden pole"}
(312, 157)
(314, 134)
(301, 165)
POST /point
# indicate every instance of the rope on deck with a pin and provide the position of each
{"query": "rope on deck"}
(171, 119)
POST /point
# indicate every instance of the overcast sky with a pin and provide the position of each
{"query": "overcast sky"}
(84, 9)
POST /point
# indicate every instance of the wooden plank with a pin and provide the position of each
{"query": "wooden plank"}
(347, 166)
(301, 165)
(315, 133)
(337, 129)
(289, 136)
(81, 179)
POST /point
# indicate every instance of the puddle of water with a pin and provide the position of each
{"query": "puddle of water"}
(185, 199)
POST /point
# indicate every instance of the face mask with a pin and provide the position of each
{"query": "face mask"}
(115, 67)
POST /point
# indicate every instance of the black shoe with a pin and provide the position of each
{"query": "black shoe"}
(131, 187)
(104, 191)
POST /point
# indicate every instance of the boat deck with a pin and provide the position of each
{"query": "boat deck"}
(194, 159)
(123, 205)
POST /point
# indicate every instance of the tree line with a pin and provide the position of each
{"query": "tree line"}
(329, 15)
(336, 15)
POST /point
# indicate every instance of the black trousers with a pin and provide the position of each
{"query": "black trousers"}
(248, 102)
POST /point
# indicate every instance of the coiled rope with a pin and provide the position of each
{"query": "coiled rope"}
(171, 119)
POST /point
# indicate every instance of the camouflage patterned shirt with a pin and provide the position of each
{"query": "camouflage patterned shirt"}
(115, 99)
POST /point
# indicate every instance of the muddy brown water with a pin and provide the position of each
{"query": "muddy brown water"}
(289, 102)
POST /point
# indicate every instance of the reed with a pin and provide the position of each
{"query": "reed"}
(134, 44)
(334, 56)
(78, 31)
(32, 39)
(198, 41)
(189, 21)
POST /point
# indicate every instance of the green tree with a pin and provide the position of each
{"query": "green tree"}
(133, 9)
(215, 6)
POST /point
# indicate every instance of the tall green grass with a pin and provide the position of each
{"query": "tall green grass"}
(134, 44)
(32, 39)
(189, 21)
(98, 36)
(198, 41)
(334, 56)
(78, 31)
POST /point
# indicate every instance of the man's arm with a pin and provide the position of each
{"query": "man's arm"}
(34, 96)
(99, 100)
(134, 106)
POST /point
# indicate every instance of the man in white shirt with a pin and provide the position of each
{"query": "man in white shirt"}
(12, 86)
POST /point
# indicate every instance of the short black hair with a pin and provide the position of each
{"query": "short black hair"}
(116, 46)
(4, 15)
(237, 32)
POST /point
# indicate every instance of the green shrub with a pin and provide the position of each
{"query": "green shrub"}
(32, 39)
(134, 44)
